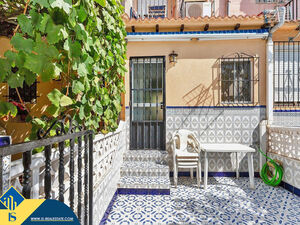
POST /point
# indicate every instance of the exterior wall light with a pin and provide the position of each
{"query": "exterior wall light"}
(173, 57)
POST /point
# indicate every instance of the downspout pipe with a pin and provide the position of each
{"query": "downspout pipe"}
(228, 7)
(270, 63)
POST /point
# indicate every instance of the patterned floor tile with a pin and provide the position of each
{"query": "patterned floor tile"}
(226, 201)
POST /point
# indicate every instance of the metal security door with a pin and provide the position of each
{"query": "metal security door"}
(147, 103)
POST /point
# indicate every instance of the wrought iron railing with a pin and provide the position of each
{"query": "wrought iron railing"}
(286, 73)
(292, 8)
(153, 9)
(64, 135)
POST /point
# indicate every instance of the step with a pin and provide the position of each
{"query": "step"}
(144, 182)
(144, 168)
(146, 155)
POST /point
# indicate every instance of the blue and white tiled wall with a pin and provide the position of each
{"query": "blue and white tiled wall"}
(289, 118)
(219, 125)
(216, 125)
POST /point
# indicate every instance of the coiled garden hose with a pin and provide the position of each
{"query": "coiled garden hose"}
(265, 172)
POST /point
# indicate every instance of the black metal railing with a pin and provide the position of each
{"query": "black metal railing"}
(152, 9)
(292, 10)
(286, 73)
(64, 135)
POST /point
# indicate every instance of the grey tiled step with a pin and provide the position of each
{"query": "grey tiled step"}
(144, 168)
(146, 155)
(140, 182)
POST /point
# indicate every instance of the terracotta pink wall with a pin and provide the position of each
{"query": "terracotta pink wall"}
(237, 7)
(241, 7)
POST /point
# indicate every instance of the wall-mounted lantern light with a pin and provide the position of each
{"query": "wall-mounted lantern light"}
(173, 57)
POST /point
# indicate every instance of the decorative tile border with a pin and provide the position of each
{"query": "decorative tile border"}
(216, 107)
(133, 191)
(215, 174)
(287, 118)
(109, 208)
(290, 188)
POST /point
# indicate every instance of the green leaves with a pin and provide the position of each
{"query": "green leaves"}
(66, 5)
(5, 69)
(65, 101)
(43, 3)
(101, 2)
(7, 108)
(44, 21)
(15, 80)
(75, 49)
(53, 110)
(25, 25)
(82, 14)
(81, 43)
(58, 99)
(82, 70)
(77, 87)
(55, 96)
(54, 34)
(42, 48)
(41, 65)
(22, 44)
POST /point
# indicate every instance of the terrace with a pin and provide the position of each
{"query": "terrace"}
(207, 8)
(99, 190)
(127, 177)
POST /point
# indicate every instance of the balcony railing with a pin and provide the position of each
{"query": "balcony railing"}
(284, 141)
(293, 10)
(286, 73)
(151, 9)
(180, 8)
(75, 167)
(171, 9)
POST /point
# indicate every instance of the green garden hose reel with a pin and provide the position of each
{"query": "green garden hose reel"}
(272, 176)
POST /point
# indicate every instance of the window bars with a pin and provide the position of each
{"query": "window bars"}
(67, 132)
(27, 93)
(151, 9)
(270, 1)
(292, 10)
(286, 73)
(239, 79)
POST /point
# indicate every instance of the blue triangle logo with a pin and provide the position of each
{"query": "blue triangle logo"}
(11, 199)
(2, 206)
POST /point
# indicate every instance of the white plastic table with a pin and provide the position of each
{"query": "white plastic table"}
(229, 148)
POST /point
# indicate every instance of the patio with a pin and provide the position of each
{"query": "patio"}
(226, 201)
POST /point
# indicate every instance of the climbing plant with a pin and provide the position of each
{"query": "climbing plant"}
(79, 41)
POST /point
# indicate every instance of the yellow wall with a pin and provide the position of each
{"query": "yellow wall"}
(193, 80)
(14, 126)
(285, 33)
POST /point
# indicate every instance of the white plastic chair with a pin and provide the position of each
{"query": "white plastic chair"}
(186, 153)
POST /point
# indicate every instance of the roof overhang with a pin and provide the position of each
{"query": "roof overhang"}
(198, 35)
(193, 24)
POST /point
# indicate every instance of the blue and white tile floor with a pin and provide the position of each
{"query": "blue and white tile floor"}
(226, 201)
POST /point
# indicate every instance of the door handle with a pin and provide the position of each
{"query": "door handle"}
(162, 105)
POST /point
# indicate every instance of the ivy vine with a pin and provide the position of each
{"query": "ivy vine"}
(80, 41)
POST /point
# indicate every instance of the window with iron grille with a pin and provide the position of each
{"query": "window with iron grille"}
(237, 79)
(27, 93)
(286, 73)
(270, 1)
(158, 11)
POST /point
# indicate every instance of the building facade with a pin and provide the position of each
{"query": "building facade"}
(218, 76)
